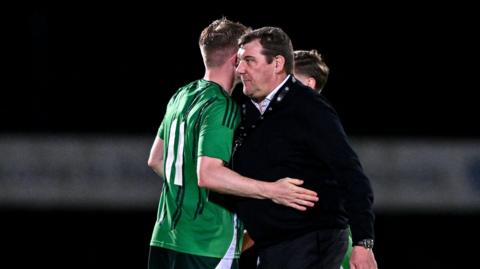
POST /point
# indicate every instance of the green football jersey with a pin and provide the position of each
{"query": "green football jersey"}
(200, 121)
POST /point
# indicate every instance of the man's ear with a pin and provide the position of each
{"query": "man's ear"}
(279, 63)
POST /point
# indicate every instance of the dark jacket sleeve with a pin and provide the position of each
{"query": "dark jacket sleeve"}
(330, 143)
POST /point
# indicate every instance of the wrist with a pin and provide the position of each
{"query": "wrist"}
(264, 190)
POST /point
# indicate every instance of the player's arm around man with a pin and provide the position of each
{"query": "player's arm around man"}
(213, 174)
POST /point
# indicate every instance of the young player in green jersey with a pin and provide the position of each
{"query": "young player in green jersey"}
(191, 149)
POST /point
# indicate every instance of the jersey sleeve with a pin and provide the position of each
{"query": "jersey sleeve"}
(160, 132)
(217, 129)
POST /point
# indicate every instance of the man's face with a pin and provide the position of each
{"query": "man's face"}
(256, 74)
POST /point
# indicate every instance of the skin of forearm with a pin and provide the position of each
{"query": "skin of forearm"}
(221, 179)
(158, 169)
(156, 165)
(155, 159)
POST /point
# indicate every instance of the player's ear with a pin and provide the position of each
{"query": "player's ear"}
(311, 82)
(233, 60)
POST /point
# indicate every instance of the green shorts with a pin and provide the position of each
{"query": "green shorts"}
(162, 258)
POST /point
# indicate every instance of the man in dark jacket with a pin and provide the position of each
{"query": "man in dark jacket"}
(289, 130)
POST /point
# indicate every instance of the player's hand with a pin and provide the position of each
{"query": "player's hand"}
(287, 192)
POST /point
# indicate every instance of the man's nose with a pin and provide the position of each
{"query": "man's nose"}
(240, 68)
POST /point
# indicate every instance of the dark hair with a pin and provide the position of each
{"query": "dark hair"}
(219, 40)
(274, 42)
(310, 63)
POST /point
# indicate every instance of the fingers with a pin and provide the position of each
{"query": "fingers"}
(304, 202)
(305, 192)
(299, 204)
(294, 181)
(307, 197)
(295, 203)
(296, 206)
(301, 190)
(289, 193)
